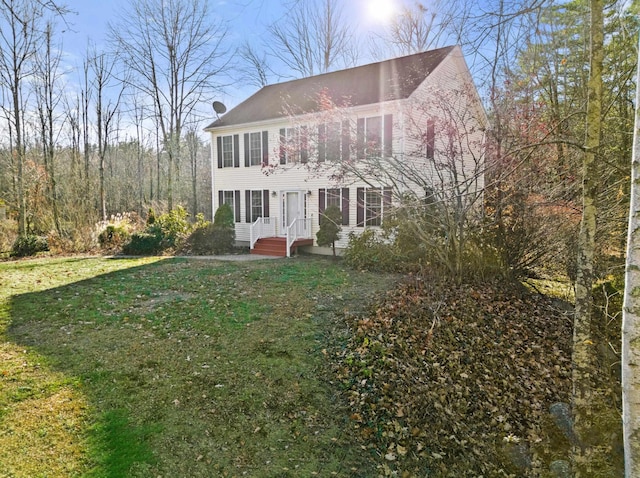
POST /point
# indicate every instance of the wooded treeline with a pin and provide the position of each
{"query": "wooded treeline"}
(122, 130)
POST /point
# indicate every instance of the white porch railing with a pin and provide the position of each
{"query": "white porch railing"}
(299, 229)
(262, 227)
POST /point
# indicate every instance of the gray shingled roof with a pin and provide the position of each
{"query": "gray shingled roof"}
(363, 85)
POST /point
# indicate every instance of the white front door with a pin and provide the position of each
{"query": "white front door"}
(292, 207)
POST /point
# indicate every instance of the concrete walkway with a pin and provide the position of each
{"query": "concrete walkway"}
(232, 257)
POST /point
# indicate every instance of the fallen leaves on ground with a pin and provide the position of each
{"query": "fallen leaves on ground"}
(457, 380)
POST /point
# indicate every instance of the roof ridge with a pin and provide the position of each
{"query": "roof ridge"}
(390, 79)
(380, 62)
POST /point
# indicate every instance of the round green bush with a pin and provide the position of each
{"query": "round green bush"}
(224, 217)
(29, 245)
(210, 239)
(143, 243)
(113, 237)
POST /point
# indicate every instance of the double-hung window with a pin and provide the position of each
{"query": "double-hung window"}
(256, 148)
(256, 204)
(228, 149)
(373, 204)
(333, 141)
(294, 145)
(232, 198)
(375, 136)
(338, 197)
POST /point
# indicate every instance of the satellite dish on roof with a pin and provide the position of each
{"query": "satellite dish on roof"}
(219, 108)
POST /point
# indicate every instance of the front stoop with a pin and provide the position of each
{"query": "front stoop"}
(277, 246)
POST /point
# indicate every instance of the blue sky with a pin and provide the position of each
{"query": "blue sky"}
(247, 19)
(89, 19)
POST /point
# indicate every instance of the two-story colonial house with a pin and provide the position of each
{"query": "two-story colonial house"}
(344, 138)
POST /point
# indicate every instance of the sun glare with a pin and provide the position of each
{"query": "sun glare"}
(381, 11)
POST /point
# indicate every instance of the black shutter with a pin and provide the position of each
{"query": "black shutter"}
(304, 144)
(247, 161)
(360, 206)
(247, 206)
(220, 198)
(346, 140)
(236, 151)
(265, 203)
(360, 139)
(321, 201)
(265, 149)
(237, 205)
(388, 135)
(345, 206)
(386, 202)
(431, 139)
(219, 141)
(322, 143)
(283, 146)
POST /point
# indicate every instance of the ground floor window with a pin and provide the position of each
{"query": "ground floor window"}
(373, 203)
(232, 198)
(256, 204)
(335, 197)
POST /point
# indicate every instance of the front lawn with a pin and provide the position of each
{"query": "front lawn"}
(175, 368)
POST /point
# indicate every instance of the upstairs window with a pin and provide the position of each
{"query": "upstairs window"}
(294, 145)
(375, 136)
(333, 141)
(228, 149)
(256, 148)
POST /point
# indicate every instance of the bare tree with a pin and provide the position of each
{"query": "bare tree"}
(584, 354)
(314, 38)
(48, 98)
(253, 66)
(107, 108)
(138, 117)
(20, 33)
(85, 102)
(175, 52)
(415, 29)
(192, 145)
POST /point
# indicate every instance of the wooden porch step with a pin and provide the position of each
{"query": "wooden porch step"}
(277, 246)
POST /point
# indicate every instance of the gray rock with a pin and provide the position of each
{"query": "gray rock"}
(561, 414)
(560, 469)
(519, 455)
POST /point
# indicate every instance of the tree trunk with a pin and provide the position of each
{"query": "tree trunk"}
(194, 188)
(631, 315)
(170, 180)
(584, 349)
(22, 203)
(102, 147)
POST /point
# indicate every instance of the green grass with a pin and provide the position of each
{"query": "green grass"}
(174, 367)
